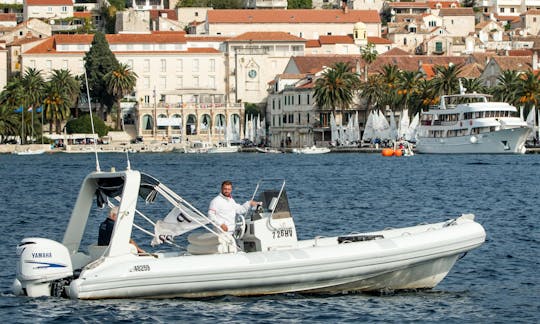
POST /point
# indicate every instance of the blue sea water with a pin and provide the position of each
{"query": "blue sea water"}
(329, 194)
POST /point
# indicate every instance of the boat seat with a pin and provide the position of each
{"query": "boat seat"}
(209, 243)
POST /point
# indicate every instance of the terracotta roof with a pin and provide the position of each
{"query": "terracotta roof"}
(396, 52)
(25, 40)
(202, 50)
(427, 4)
(8, 17)
(429, 71)
(315, 63)
(520, 52)
(471, 71)
(155, 37)
(514, 63)
(412, 62)
(288, 16)
(171, 14)
(199, 38)
(266, 36)
(456, 12)
(49, 2)
(531, 12)
(443, 4)
(307, 85)
(508, 18)
(82, 14)
(330, 39)
(292, 76)
(378, 40)
(313, 43)
(408, 5)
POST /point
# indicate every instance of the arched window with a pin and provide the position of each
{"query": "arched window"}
(147, 122)
(206, 122)
(235, 126)
(177, 121)
(191, 124)
(220, 123)
(164, 123)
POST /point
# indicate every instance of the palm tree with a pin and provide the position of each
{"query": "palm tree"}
(390, 74)
(473, 85)
(529, 93)
(446, 80)
(408, 82)
(335, 89)
(62, 91)
(507, 88)
(34, 87)
(120, 82)
(9, 122)
(12, 97)
(369, 55)
(57, 106)
(371, 91)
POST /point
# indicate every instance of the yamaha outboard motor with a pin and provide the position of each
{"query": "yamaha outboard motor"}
(43, 263)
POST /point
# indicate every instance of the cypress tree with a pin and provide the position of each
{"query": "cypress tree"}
(98, 61)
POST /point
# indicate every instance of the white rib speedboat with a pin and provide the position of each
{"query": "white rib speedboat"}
(265, 257)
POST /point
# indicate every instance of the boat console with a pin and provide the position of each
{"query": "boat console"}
(270, 226)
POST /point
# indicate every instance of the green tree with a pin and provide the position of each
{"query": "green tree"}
(120, 82)
(299, 4)
(507, 88)
(61, 93)
(9, 122)
(216, 4)
(408, 82)
(389, 96)
(99, 61)
(446, 79)
(84, 125)
(473, 85)
(369, 55)
(529, 92)
(34, 87)
(336, 87)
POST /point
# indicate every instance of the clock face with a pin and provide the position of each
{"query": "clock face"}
(252, 73)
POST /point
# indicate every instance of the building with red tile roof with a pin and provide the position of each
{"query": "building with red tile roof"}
(47, 9)
(304, 23)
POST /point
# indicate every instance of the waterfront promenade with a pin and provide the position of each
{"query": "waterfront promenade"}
(162, 147)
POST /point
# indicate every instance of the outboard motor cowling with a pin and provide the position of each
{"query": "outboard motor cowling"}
(41, 262)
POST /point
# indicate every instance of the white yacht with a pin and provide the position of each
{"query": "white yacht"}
(469, 123)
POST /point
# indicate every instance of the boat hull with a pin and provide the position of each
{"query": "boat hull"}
(505, 141)
(415, 257)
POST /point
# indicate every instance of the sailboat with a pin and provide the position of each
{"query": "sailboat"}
(227, 148)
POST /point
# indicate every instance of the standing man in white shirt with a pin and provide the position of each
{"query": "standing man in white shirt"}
(223, 209)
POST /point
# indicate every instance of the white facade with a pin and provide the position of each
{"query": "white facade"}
(41, 9)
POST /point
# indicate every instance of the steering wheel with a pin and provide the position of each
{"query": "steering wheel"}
(240, 227)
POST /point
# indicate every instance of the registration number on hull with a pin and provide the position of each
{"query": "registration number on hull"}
(282, 233)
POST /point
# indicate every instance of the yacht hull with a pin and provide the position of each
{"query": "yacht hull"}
(407, 258)
(505, 141)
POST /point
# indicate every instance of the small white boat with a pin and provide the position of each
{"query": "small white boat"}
(267, 150)
(223, 149)
(312, 150)
(29, 152)
(469, 123)
(263, 257)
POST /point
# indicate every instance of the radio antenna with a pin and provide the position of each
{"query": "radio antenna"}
(98, 169)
